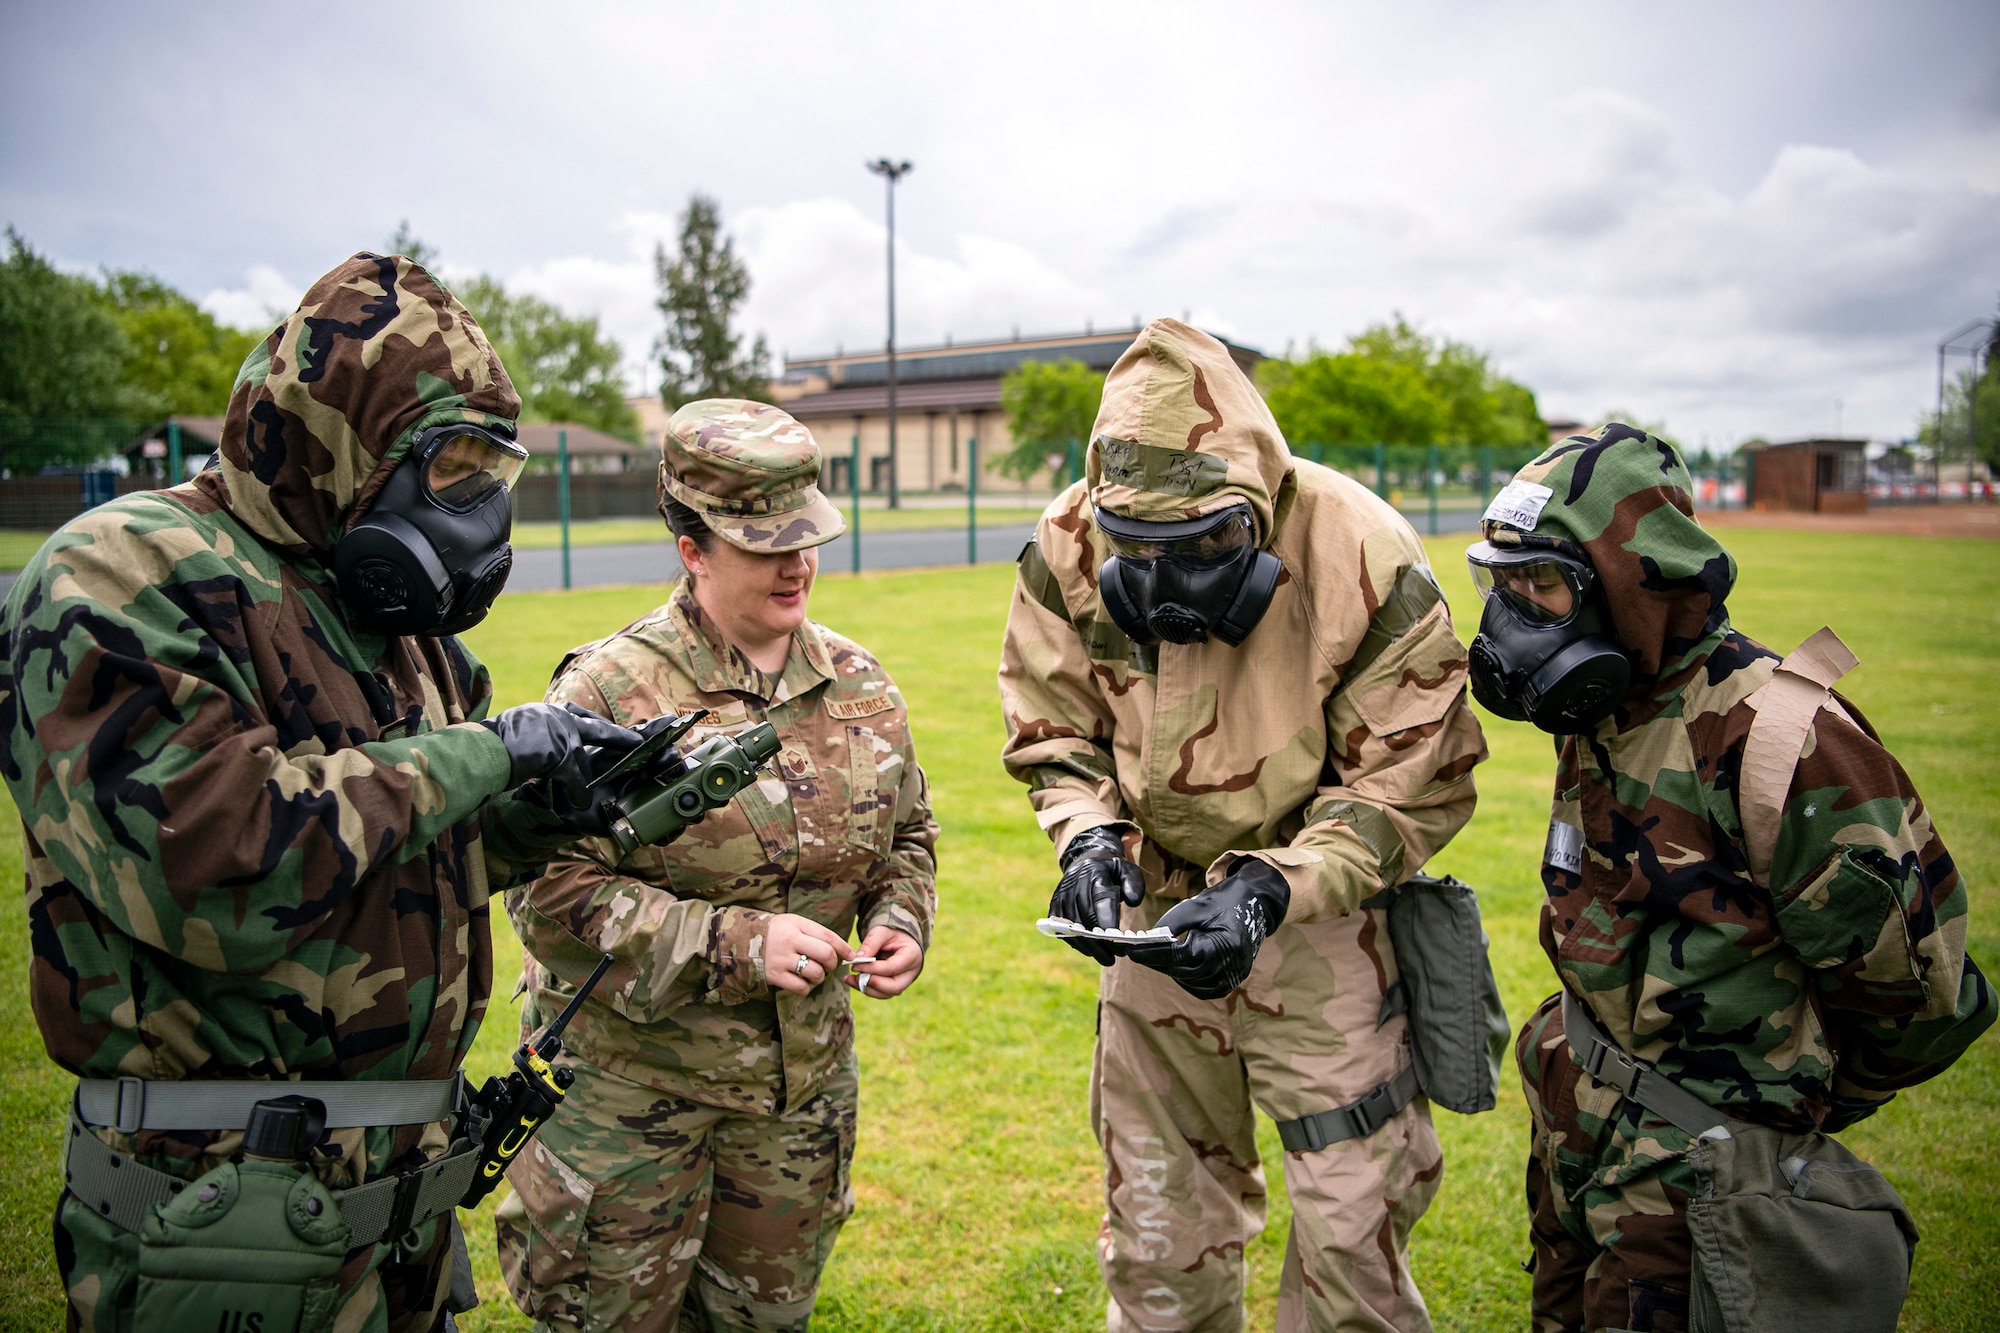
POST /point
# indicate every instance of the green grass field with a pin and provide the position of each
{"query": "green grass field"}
(976, 1176)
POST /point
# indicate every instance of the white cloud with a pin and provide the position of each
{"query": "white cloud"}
(265, 298)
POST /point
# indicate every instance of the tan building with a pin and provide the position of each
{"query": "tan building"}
(947, 396)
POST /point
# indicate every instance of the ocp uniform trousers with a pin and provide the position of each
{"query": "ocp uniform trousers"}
(636, 1211)
(1172, 1088)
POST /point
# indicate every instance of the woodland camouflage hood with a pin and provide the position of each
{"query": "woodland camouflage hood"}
(1182, 432)
(376, 351)
(1622, 499)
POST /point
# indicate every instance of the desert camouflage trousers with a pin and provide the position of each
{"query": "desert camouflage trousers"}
(1172, 1088)
(633, 1210)
(1608, 1188)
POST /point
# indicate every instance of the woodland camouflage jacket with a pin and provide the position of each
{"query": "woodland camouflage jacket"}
(1846, 974)
(259, 840)
(1335, 743)
(838, 830)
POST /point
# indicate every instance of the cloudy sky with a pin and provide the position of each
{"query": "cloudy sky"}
(1732, 218)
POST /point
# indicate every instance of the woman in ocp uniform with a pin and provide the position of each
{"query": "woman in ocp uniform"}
(701, 1159)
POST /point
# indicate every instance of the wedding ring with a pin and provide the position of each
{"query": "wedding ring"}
(801, 968)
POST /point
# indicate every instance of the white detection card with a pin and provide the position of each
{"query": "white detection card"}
(1057, 928)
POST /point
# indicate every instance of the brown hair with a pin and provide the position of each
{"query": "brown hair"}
(685, 522)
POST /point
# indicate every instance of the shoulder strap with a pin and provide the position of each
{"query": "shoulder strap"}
(1786, 706)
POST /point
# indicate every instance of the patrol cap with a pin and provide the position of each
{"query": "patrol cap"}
(751, 471)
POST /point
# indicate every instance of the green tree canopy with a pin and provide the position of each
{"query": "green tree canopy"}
(180, 359)
(563, 366)
(701, 288)
(1393, 384)
(62, 350)
(1050, 406)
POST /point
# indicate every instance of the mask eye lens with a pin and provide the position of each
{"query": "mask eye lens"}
(1541, 592)
(1208, 549)
(466, 467)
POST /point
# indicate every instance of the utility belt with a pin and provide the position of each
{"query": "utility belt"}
(1790, 1231)
(258, 1242)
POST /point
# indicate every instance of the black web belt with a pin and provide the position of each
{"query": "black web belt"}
(1356, 1120)
(1606, 1061)
(116, 1187)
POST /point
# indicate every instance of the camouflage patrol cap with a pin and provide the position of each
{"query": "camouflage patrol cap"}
(751, 471)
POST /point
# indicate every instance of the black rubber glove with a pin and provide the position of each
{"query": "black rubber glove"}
(544, 741)
(1096, 878)
(1219, 930)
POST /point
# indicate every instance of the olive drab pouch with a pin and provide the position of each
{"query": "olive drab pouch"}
(250, 1247)
(1794, 1233)
(1459, 1033)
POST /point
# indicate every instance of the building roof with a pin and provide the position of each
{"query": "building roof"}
(538, 438)
(988, 360)
(980, 395)
(1835, 446)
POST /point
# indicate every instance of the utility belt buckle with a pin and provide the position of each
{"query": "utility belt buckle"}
(131, 1110)
(1624, 1072)
(402, 1210)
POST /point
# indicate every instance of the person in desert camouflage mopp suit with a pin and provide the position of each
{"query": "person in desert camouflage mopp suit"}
(1232, 687)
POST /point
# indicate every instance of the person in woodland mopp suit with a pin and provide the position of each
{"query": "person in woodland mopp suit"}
(1231, 684)
(263, 806)
(1788, 981)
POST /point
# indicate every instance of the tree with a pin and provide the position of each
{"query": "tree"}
(405, 243)
(62, 352)
(179, 359)
(701, 288)
(1050, 407)
(563, 366)
(1970, 426)
(1396, 385)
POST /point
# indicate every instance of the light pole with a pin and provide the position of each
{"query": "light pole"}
(891, 172)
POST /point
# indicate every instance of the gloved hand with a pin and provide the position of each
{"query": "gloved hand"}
(1096, 878)
(544, 741)
(1219, 930)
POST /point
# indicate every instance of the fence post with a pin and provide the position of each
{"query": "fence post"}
(173, 453)
(1071, 474)
(854, 493)
(972, 501)
(1485, 475)
(1431, 485)
(1382, 470)
(562, 498)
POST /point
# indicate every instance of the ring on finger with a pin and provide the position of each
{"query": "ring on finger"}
(800, 966)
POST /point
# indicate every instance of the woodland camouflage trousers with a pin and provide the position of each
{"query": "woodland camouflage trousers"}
(1172, 1089)
(644, 1213)
(1608, 1188)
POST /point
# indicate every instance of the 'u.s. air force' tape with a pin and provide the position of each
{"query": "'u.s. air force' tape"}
(1056, 927)
(1519, 505)
(1565, 847)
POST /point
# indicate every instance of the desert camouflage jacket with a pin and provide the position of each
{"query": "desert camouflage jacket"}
(259, 840)
(1845, 975)
(1335, 743)
(839, 831)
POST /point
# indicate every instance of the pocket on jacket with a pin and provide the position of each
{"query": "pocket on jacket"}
(543, 1233)
(1405, 686)
(874, 773)
(1851, 913)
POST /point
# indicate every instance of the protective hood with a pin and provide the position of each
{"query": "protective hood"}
(324, 407)
(1182, 432)
(1623, 499)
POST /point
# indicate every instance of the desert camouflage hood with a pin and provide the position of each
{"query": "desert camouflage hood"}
(376, 351)
(1623, 498)
(1182, 432)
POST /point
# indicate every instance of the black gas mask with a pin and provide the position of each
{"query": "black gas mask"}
(1183, 581)
(1544, 653)
(431, 554)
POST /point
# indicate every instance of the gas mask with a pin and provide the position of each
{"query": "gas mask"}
(1544, 653)
(1183, 581)
(431, 554)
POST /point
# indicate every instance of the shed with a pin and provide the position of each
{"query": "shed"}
(1809, 476)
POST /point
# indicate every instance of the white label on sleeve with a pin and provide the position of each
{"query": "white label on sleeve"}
(1519, 505)
(1565, 847)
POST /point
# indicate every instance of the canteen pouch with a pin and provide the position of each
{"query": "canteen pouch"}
(1459, 1033)
(250, 1247)
(1794, 1233)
